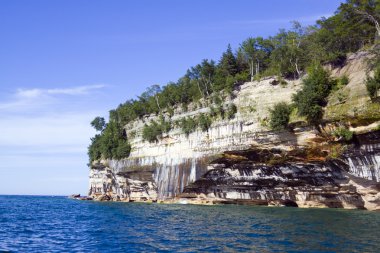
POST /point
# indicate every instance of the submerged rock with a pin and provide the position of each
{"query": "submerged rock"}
(74, 196)
(79, 197)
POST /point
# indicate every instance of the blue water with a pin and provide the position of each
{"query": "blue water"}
(57, 224)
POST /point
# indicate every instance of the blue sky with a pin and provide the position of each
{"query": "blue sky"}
(64, 62)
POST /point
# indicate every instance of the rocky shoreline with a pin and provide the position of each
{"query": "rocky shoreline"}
(79, 197)
(300, 177)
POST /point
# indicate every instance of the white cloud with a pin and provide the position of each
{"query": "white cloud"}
(31, 93)
(79, 90)
(38, 121)
(46, 134)
(26, 100)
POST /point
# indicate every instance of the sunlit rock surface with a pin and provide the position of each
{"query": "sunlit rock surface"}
(179, 165)
(318, 184)
(364, 160)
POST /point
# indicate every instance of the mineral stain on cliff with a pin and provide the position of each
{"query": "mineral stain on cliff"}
(245, 177)
(239, 161)
(304, 131)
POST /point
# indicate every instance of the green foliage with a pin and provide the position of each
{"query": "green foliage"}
(112, 137)
(171, 111)
(342, 95)
(346, 31)
(123, 150)
(154, 130)
(98, 123)
(204, 122)
(343, 133)
(227, 64)
(289, 55)
(242, 77)
(373, 83)
(263, 122)
(336, 150)
(94, 150)
(217, 100)
(340, 83)
(231, 111)
(220, 111)
(111, 143)
(339, 91)
(343, 81)
(257, 53)
(312, 97)
(165, 126)
(279, 116)
(132, 134)
(188, 125)
(213, 111)
(286, 54)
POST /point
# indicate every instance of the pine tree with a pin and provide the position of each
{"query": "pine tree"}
(227, 63)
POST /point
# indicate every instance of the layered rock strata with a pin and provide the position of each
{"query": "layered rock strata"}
(314, 184)
(177, 164)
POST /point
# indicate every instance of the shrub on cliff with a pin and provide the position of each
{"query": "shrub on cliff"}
(123, 149)
(204, 122)
(373, 83)
(151, 132)
(342, 133)
(154, 130)
(279, 116)
(188, 125)
(231, 111)
(311, 99)
(165, 125)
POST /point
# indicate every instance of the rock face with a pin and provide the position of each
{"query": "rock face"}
(108, 184)
(179, 165)
(177, 160)
(364, 160)
(319, 184)
(245, 177)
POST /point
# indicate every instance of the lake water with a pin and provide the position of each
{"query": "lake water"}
(58, 224)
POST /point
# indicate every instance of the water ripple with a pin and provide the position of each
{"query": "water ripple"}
(57, 224)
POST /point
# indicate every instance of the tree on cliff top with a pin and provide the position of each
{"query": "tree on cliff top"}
(354, 26)
(279, 116)
(257, 51)
(98, 123)
(367, 10)
(311, 99)
(373, 83)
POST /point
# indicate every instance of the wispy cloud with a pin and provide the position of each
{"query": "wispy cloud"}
(27, 99)
(79, 90)
(64, 132)
(48, 121)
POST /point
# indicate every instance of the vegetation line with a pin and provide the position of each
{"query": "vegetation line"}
(288, 54)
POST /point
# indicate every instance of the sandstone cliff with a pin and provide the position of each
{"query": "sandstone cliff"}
(179, 164)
